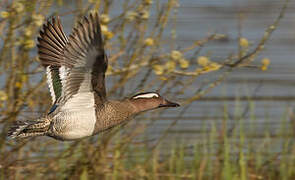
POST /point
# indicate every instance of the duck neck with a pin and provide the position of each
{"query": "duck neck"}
(113, 113)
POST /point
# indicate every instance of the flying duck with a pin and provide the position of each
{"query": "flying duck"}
(75, 68)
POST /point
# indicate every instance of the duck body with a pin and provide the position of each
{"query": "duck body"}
(75, 70)
(81, 121)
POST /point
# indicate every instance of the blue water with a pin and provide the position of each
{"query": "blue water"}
(197, 18)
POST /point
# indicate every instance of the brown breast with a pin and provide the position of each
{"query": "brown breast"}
(111, 114)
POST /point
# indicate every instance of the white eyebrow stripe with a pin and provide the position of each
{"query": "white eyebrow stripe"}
(148, 95)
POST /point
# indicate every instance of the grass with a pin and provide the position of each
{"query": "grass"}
(221, 152)
(216, 155)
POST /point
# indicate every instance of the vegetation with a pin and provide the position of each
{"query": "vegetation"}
(142, 58)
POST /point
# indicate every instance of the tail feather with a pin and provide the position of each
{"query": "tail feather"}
(22, 129)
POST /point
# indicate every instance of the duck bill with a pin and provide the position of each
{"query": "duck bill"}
(167, 103)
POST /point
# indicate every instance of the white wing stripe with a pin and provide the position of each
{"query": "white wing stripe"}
(63, 72)
(50, 84)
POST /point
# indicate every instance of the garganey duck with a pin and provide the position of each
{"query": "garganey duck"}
(75, 69)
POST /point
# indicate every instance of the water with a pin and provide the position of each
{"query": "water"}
(272, 92)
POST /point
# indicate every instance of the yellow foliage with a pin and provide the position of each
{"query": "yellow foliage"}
(170, 65)
(163, 78)
(108, 35)
(176, 55)
(210, 66)
(38, 19)
(19, 7)
(148, 42)
(24, 78)
(104, 28)
(28, 44)
(184, 63)
(4, 14)
(131, 15)
(265, 63)
(158, 69)
(104, 18)
(244, 42)
(145, 15)
(28, 32)
(3, 96)
(109, 70)
(203, 60)
(18, 84)
(148, 2)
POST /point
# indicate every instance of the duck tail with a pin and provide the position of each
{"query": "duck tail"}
(23, 129)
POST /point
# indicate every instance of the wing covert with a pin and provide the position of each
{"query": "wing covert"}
(86, 51)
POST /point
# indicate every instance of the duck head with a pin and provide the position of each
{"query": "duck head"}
(150, 100)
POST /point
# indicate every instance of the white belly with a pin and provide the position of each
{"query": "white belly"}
(77, 118)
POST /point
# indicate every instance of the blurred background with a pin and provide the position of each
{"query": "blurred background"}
(230, 64)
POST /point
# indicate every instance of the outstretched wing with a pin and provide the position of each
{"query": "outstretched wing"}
(51, 44)
(85, 52)
(74, 65)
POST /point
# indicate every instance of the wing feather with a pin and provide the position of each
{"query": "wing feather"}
(85, 49)
(51, 44)
(76, 64)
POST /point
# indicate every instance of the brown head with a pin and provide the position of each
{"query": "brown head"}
(150, 100)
